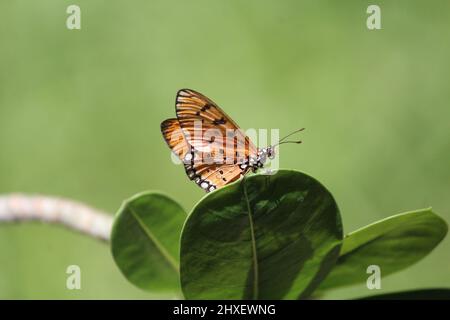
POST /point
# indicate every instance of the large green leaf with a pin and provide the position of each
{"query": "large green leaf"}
(393, 244)
(421, 294)
(264, 237)
(145, 241)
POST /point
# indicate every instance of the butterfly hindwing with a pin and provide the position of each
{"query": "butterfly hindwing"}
(208, 176)
(211, 177)
(174, 137)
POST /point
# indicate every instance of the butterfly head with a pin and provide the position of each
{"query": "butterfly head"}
(269, 152)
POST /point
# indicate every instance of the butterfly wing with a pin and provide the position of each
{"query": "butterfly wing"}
(209, 129)
(208, 176)
(211, 177)
(174, 137)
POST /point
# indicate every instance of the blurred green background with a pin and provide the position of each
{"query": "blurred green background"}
(80, 114)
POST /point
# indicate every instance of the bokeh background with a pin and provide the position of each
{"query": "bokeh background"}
(80, 114)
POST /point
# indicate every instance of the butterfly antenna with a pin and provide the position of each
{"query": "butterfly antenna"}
(296, 141)
(290, 134)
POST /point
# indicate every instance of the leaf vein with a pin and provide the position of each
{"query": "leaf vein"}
(254, 253)
(158, 245)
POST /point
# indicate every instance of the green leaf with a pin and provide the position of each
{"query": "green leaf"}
(263, 237)
(393, 244)
(145, 241)
(422, 294)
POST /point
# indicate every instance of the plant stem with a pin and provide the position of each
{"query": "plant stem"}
(74, 215)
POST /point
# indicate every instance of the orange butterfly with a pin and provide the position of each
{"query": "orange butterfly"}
(214, 150)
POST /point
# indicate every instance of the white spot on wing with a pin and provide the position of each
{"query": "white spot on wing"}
(204, 185)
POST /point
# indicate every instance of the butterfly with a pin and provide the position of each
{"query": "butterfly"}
(213, 149)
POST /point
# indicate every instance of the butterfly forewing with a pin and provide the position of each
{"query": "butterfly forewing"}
(209, 129)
